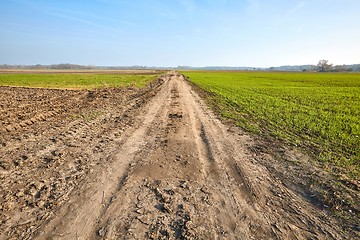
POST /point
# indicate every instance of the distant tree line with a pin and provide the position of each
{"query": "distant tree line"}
(68, 66)
(62, 66)
(325, 66)
(322, 66)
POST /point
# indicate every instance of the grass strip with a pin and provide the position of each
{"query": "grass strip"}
(318, 111)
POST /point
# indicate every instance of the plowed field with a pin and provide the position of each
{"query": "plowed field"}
(151, 163)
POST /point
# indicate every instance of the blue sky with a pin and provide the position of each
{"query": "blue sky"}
(257, 33)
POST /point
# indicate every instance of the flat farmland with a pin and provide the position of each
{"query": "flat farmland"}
(317, 111)
(140, 155)
(74, 79)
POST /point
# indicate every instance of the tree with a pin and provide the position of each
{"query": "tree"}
(324, 66)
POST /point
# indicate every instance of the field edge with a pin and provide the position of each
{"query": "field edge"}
(316, 181)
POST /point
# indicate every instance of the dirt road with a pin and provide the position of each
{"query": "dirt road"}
(157, 164)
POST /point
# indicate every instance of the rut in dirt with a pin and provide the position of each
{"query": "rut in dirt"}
(177, 172)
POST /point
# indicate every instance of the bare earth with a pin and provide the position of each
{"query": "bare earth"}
(140, 164)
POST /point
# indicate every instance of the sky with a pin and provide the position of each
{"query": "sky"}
(171, 33)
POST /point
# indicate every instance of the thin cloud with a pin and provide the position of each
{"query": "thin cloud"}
(81, 17)
(94, 16)
(19, 28)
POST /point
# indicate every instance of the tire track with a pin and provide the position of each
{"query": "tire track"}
(42, 169)
(78, 219)
(189, 178)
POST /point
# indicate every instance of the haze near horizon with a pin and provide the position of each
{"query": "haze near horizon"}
(258, 33)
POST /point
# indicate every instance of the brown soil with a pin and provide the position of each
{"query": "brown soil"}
(154, 163)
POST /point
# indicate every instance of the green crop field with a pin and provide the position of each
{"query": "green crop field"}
(317, 111)
(75, 81)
